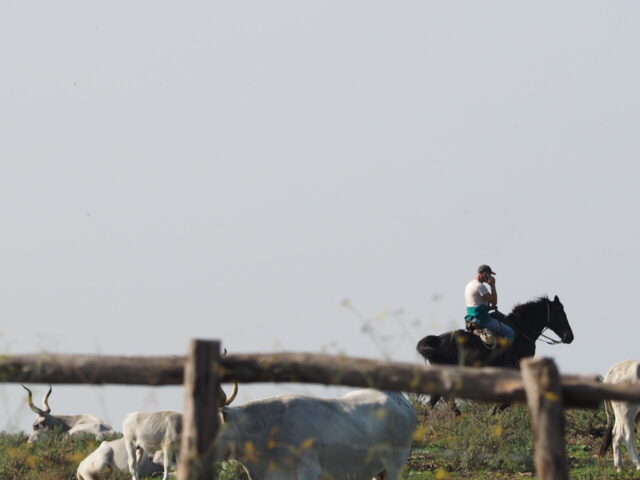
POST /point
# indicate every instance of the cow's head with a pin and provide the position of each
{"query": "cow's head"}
(223, 443)
(44, 422)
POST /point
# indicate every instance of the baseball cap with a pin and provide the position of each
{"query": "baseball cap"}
(485, 268)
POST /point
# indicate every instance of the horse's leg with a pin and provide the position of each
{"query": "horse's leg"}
(454, 407)
(500, 408)
(431, 404)
(433, 400)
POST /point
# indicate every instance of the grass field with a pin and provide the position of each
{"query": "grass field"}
(476, 445)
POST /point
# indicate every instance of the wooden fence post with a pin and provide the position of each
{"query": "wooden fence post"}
(200, 420)
(544, 396)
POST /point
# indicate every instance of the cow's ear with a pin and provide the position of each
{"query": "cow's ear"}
(556, 299)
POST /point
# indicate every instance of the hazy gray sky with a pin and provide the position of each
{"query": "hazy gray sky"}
(235, 170)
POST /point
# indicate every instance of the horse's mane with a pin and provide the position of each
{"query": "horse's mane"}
(524, 308)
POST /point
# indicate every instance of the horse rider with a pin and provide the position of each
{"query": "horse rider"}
(480, 296)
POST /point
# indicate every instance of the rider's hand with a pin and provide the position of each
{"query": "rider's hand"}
(492, 280)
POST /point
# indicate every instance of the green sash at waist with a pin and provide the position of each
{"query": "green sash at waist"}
(479, 315)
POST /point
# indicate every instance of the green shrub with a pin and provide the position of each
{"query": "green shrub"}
(582, 422)
(231, 470)
(478, 439)
(54, 457)
(502, 441)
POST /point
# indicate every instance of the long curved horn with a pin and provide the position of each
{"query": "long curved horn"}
(44, 400)
(30, 402)
(234, 393)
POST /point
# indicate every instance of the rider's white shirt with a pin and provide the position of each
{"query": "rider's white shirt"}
(474, 291)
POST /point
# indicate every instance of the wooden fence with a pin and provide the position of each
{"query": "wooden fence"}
(203, 369)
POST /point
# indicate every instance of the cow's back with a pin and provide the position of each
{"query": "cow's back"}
(151, 431)
(379, 426)
(352, 436)
(385, 414)
(625, 371)
(147, 465)
(96, 462)
(113, 454)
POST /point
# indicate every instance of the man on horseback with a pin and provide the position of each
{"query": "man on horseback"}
(481, 296)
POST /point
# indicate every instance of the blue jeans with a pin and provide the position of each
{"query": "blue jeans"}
(501, 329)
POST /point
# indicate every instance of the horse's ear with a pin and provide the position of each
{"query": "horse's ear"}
(556, 299)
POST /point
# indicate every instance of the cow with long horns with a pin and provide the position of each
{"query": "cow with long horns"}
(363, 434)
(45, 422)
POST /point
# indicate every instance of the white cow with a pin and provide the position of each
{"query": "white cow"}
(155, 431)
(112, 456)
(625, 413)
(72, 424)
(364, 434)
(151, 432)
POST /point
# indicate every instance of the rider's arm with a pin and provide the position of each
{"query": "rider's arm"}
(491, 298)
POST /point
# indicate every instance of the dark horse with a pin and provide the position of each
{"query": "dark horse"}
(529, 321)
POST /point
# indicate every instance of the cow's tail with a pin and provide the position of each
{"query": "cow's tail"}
(608, 431)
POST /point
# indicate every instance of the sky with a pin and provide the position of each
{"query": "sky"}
(309, 176)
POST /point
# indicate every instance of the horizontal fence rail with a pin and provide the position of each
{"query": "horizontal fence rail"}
(92, 369)
(485, 384)
(201, 372)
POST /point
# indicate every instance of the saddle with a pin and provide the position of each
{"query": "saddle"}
(488, 337)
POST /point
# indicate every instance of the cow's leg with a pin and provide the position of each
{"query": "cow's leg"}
(308, 468)
(131, 458)
(393, 461)
(391, 471)
(390, 474)
(617, 445)
(167, 452)
(629, 438)
(176, 458)
(633, 453)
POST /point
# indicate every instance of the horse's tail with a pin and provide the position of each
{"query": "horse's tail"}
(429, 347)
(608, 431)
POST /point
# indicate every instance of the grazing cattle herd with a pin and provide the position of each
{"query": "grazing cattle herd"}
(364, 434)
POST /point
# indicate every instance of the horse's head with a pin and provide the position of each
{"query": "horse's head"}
(558, 321)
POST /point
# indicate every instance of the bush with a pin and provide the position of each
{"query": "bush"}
(477, 439)
(231, 470)
(54, 457)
